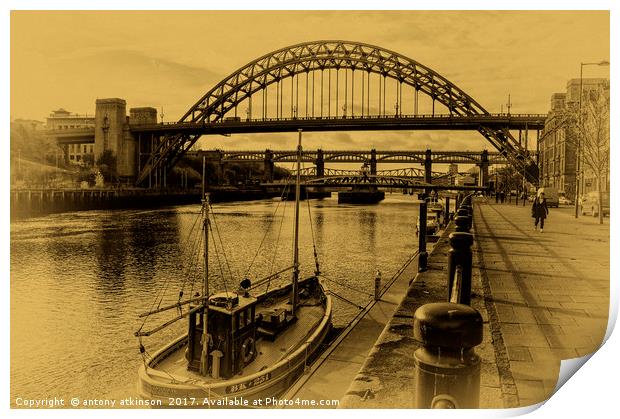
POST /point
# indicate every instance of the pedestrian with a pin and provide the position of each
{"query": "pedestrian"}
(540, 211)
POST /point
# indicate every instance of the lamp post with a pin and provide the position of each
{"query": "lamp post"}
(578, 150)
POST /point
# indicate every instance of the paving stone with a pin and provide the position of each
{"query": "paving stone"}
(519, 353)
(531, 391)
(543, 298)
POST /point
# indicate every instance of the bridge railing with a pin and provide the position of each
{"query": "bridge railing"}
(239, 120)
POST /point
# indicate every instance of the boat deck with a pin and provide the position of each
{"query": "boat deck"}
(310, 314)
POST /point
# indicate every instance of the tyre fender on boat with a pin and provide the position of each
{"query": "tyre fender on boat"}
(248, 349)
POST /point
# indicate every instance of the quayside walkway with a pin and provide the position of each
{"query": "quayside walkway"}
(543, 297)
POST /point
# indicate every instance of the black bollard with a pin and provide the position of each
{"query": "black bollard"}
(422, 254)
(459, 267)
(447, 366)
(464, 212)
(378, 285)
(469, 209)
(462, 223)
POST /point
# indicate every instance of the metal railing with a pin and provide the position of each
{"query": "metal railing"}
(483, 117)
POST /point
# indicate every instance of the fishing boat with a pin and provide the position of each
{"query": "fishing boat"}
(239, 345)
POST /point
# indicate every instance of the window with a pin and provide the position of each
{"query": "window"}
(242, 319)
(84, 149)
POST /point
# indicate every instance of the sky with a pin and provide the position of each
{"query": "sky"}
(169, 59)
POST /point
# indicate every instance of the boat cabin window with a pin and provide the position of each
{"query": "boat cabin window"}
(246, 317)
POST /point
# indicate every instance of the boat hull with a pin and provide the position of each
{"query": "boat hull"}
(162, 389)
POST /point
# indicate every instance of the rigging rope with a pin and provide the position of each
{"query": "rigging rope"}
(219, 262)
(232, 278)
(277, 244)
(316, 256)
(247, 272)
(345, 300)
(183, 254)
(159, 295)
(194, 266)
(347, 286)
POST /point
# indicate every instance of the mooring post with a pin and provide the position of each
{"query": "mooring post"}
(422, 254)
(378, 285)
(459, 267)
(466, 218)
(470, 210)
(462, 223)
(447, 366)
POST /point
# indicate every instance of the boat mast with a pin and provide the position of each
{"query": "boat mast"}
(204, 355)
(294, 290)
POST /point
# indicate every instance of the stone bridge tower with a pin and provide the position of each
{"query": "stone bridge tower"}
(112, 133)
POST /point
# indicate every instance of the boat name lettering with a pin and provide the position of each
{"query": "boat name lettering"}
(247, 384)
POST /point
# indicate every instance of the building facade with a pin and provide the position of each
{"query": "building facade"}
(84, 139)
(76, 152)
(557, 143)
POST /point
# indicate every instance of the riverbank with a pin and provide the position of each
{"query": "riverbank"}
(35, 202)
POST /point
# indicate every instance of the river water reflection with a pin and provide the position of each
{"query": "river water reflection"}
(79, 280)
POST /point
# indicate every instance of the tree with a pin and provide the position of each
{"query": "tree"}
(594, 144)
(88, 159)
(508, 178)
(107, 165)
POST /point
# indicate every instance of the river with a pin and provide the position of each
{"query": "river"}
(80, 279)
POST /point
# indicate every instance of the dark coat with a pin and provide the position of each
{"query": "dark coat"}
(539, 208)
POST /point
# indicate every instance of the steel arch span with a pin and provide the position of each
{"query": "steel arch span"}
(310, 57)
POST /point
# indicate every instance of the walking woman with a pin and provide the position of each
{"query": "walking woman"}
(540, 211)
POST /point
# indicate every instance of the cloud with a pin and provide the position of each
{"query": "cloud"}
(170, 59)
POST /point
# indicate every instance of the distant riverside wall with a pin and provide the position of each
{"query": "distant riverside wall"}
(35, 202)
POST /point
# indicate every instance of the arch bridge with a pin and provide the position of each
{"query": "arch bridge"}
(332, 86)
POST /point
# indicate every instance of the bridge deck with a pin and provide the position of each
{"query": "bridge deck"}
(357, 123)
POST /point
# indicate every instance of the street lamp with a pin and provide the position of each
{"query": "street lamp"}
(578, 151)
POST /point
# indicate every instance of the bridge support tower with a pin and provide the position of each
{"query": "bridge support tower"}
(483, 174)
(112, 133)
(373, 162)
(320, 164)
(268, 167)
(428, 165)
